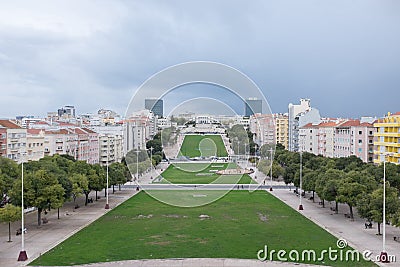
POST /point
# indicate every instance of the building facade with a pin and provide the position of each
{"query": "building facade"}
(282, 129)
(387, 139)
(263, 128)
(110, 149)
(338, 138)
(14, 139)
(35, 144)
(138, 129)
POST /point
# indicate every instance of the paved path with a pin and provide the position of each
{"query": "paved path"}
(353, 231)
(39, 239)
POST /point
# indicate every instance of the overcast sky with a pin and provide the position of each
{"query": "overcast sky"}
(343, 55)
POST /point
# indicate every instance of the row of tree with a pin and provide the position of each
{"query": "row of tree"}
(342, 180)
(51, 181)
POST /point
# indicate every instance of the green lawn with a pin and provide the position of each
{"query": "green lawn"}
(202, 173)
(240, 224)
(203, 145)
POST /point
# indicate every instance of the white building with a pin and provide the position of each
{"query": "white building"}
(111, 148)
(300, 115)
(138, 129)
(263, 128)
(35, 144)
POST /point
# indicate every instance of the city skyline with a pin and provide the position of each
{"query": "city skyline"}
(342, 55)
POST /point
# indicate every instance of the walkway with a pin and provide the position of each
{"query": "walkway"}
(337, 224)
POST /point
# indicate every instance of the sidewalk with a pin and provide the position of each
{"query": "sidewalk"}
(40, 239)
(337, 224)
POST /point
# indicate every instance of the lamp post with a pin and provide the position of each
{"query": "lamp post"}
(137, 165)
(384, 256)
(22, 254)
(270, 189)
(151, 160)
(301, 179)
(107, 204)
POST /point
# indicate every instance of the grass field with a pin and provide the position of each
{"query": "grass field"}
(202, 173)
(240, 224)
(203, 145)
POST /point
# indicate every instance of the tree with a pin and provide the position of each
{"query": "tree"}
(309, 180)
(10, 213)
(326, 185)
(79, 183)
(116, 174)
(42, 191)
(9, 172)
(349, 192)
(370, 206)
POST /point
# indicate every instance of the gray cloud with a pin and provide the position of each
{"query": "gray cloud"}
(342, 54)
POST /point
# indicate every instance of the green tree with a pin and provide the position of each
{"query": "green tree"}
(326, 185)
(370, 206)
(10, 213)
(80, 184)
(9, 172)
(42, 191)
(349, 192)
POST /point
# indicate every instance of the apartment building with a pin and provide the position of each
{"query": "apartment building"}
(387, 139)
(80, 143)
(13, 140)
(300, 115)
(282, 129)
(338, 138)
(138, 129)
(35, 144)
(110, 148)
(263, 128)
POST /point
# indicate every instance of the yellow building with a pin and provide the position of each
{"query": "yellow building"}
(282, 129)
(387, 139)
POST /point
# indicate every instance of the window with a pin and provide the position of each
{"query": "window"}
(359, 132)
(370, 132)
(359, 141)
(360, 150)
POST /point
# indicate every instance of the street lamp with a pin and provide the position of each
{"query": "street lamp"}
(384, 256)
(107, 204)
(270, 189)
(22, 254)
(301, 179)
(137, 164)
(151, 160)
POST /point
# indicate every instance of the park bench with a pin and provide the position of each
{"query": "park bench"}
(347, 215)
(332, 209)
(44, 220)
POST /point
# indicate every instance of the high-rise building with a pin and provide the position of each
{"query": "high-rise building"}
(138, 129)
(66, 111)
(252, 106)
(155, 105)
(387, 139)
(300, 115)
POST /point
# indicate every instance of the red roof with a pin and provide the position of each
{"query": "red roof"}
(327, 124)
(34, 131)
(397, 113)
(350, 123)
(9, 124)
(60, 131)
(88, 130)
